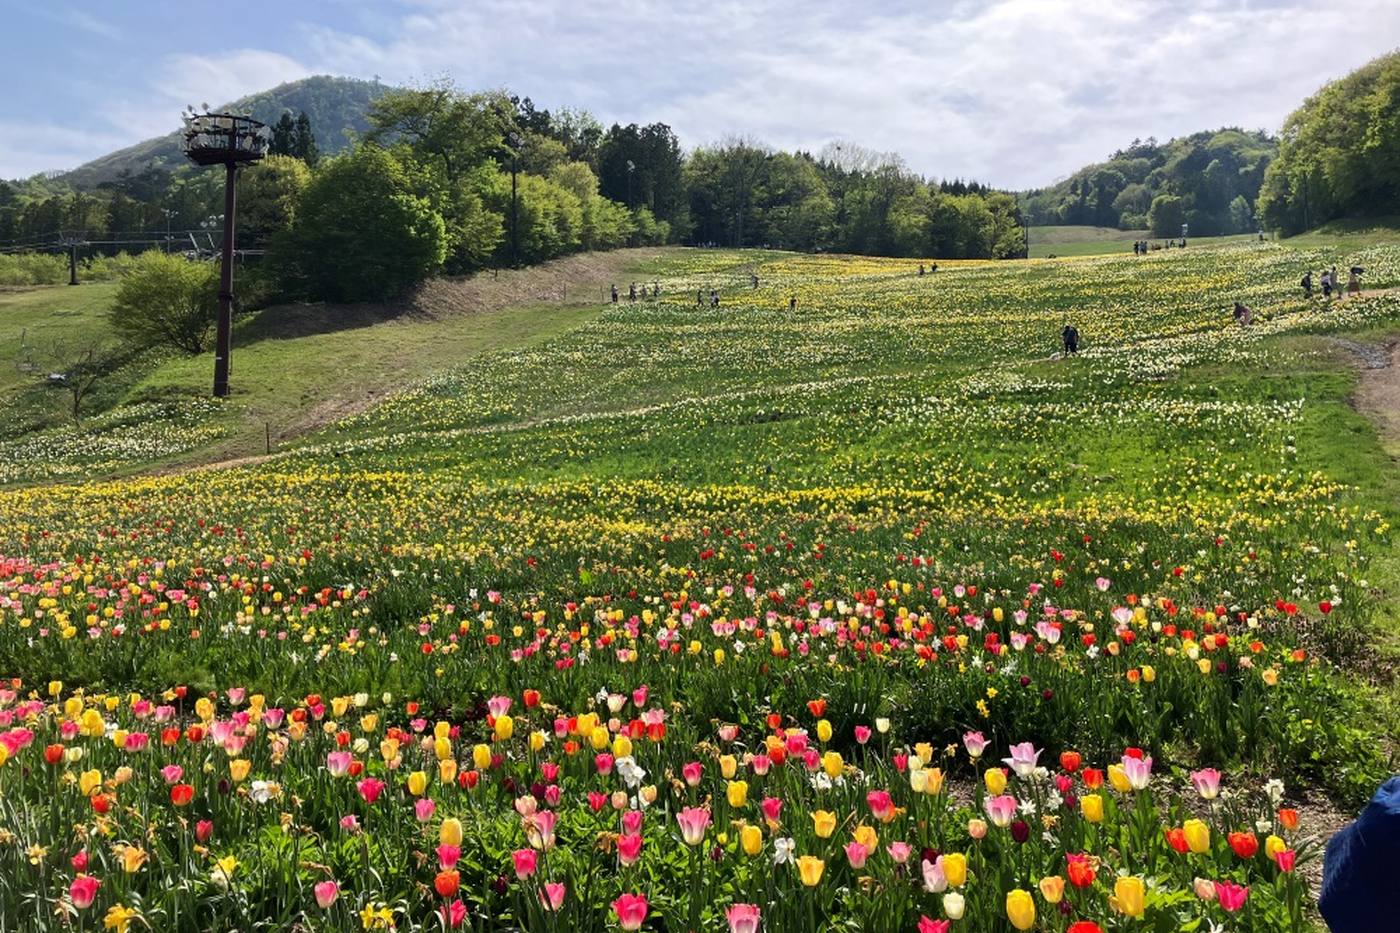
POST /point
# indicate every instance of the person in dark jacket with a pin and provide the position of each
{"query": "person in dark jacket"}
(1358, 871)
(1070, 335)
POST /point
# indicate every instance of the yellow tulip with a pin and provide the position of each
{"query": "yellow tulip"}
(450, 833)
(1197, 836)
(442, 748)
(823, 730)
(810, 868)
(833, 764)
(622, 747)
(238, 769)
(537, 740)
(89, 781)
(868, 837)
(955, 868)
(481, 756)
(933, 780)
(823, 823)
(1129, 896)
(1091, 806)
(417, 783)
(442, 730)
(505, 727)
(751, 838)
(1052, 888)
(1119, 779)
(1273, 845)
(737, 793)
(447, 771)
(995, 779)
(598, 738)
(1020, 909)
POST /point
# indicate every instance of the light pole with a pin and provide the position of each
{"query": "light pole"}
(631, 167)
(227, 140)
(167, 212)
(514, 140)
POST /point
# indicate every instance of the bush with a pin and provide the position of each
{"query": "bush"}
(33, 269)
(167, 300)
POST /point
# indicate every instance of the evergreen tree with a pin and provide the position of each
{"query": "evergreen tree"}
(304, 141)
(283, 133)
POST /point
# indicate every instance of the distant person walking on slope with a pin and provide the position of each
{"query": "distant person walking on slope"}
(1354, 283)
(1307, 284)
(614, 294)
(1244, 315)
(1326, 284)
(1070, 335)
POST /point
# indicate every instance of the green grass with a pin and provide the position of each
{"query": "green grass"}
(34, 322)
(1098, 241)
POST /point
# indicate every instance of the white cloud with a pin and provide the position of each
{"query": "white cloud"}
(1012, 92)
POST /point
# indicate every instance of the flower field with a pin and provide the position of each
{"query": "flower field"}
(864, 615)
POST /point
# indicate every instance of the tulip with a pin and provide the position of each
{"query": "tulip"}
(833, 764)
(631, 911)
(823, 731)
(447, 882)
(1245, 845)
(326, 893)
(525, 862)
(743, 918)
(1020, 909)
(737, 793)
(955, 868)
(181, 795)
(447, 855)
(995, 779)
(810, 868)
(751, 840)
(975, 743)
(693, 822)
(417, 783)
(935, 881)
(953, 905)
(629, 849)
(691, 771)
(728, 765)
(450, 833)
(899, 852)
(83, 891)
(933, 926)
(867, 837)
(552, 895)
(856, 855)
(977, 828)
(1080, 869)
(1000, 810)
(1084, 926)
(1129, 896)
(1023, 760)
(1091, 805)
(1285, 859)
(481, 757)
(1197, 836)
(1137, 771)
(1052, 888)
(1231, 896)
(370, 789)
(823, 823)
(1206, 782)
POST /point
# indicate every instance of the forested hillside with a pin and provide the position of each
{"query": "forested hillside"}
(1209, 180)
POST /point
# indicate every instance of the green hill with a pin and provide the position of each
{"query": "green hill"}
(336, 107)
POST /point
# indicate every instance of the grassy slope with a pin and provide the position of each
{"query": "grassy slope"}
(1098, 241)
(34, 320)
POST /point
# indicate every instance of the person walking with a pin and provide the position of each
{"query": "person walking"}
(1326, 284)
(1307, 284)
(1354, 283)
(1070, 336)
(614, 294)
(1244, 315)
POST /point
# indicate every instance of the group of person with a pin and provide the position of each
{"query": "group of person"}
(931, 271)
(1331, 282)
(632, 292)
(1143, 247)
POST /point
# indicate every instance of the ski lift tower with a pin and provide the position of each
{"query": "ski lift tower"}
(229, 140)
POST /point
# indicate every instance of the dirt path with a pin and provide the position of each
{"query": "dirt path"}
(1378, 390)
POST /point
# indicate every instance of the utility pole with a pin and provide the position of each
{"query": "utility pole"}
(73, 261)
(514, 140)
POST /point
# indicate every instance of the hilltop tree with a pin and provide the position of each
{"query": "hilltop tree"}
(304, 141)
(166, 300)
(452, 132)
(1340, 154)
(363, 230)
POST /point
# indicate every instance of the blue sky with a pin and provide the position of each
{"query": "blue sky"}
(1013, 92)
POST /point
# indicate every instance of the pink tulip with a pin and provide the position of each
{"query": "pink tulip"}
(597, 801)
(525, 862)
(338, 763)
(448, 855)
(350, 823)
(728, 732)
(881, 804)
(498, 706)
(1138, 771)
(772, 808)
(370, 789)
(539, 829)
(693, 822)
(83, 891)
(629, 849)
(454, 913)
(933, 926)
(552, 895)
(862, 734)
(172, 774)
(632, 821)
(856, 854)
(1023, 759)
(1207, 782)
(1000, 810)
(604, 763)
(899, 852)
(761, 764)
(975, 743)
(1231, 896)
(326, 893)
(691, 771)
(550, 771)
(743, 918)
(423, 808)
(639, 696)
(631, 910)
(811, 759)
(1285, 859)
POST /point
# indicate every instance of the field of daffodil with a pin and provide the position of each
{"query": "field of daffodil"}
(864, 613)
